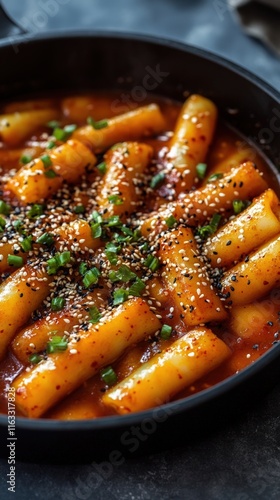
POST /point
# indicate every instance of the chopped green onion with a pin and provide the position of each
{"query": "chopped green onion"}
(51, 174)
(94, 314)
(59, 134)
(126, 230)
(35, 358)
(47, 161)
(96, 217)
(57, 303)
(59, 260)
(132, 235)
(201, 170)
(111, 251)
(108, 375)
(52, 266)
(18, 224)
(45, 239)
(53, 124)
(4, 208)
(170, 221)
(239, 206)
(122, 274)
(35, 211)
(210, 228)
(125, 274)
(63, 258)
(136, 288)
(113, 221)
(113, 276)
(145, 247)
(79, 209)
(165, 332)
(97, 125)
(120, 296)
(56, 344)
(91, 277)
(115, 199)
(215, 177)
(69, 129)
(83, 268)
(26, 244)
(157, 180)
(102, 167)
(51, 145)
(24, 159)
(96, 230)
(62, 134)
(152, 262)
(15, 260)
(2, 224)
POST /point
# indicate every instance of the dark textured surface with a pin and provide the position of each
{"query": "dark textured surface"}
(241, 461)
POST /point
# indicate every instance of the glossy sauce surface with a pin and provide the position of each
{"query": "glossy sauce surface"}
(85, 402)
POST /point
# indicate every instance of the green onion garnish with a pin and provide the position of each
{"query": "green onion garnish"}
(113, 221)
(35, 211)
(51, 145)
(115, 199)
(108, 375)
(69, 129)
(56, 344)
(83, 268)
(97, 125)
(152, 262)
(4, 208)
(96, 217)
(122, 274)
(63, 258)
(2, 224)
(111, 251)
(53, 124)
(239, 206)
(165, 332)
(157, 180)
(26, 244)
(102, 167)
(25, 159)
(35, 358)
(210, 228)
(91, 277)
(45, 239)
(59, 260)
(18, 225)
(120, 296)
(15, 260)
(136, 288)
(79, 209)
(96, 230)
(215, 177)
(57, 303)
(47, 161)
(201, 170)
(51, 174)
(62, 134)
(94, 314)
(170, 221)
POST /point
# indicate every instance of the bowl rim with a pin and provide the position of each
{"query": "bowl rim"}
(153, 39)
(226, 385)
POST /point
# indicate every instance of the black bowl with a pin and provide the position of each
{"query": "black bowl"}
(137, 65)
